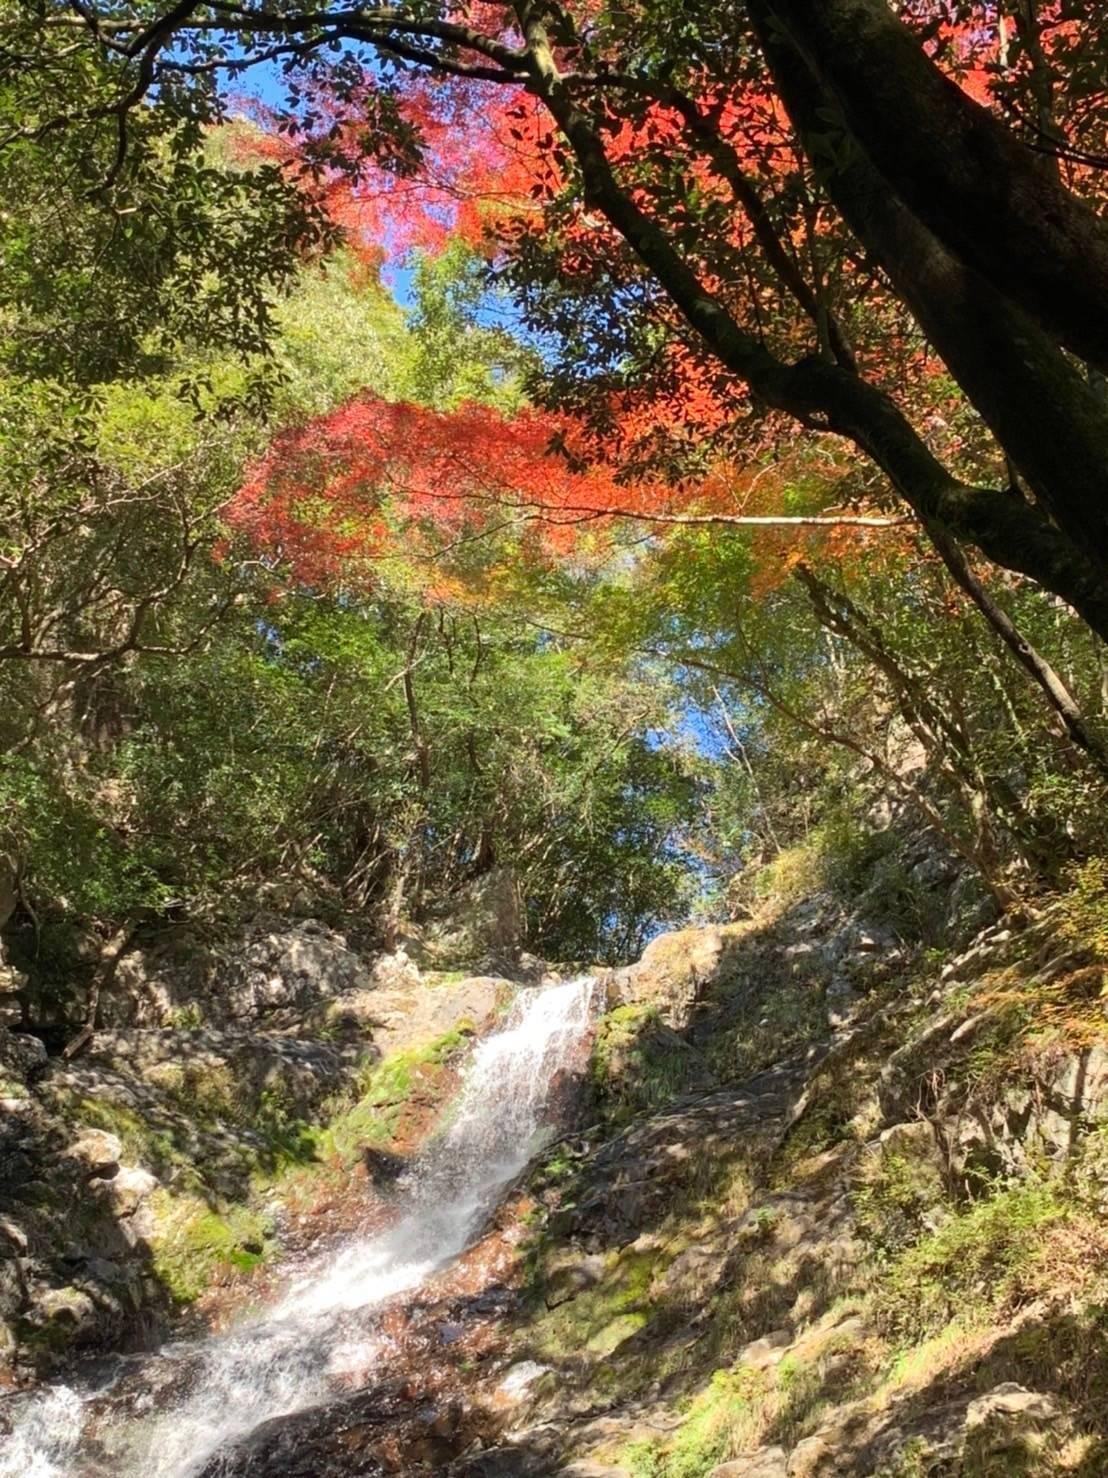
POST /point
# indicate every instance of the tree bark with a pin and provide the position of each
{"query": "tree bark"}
(994, 201)
(1042, 410)
(824, 396)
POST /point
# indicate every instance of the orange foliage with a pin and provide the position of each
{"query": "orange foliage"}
(484, 165)
(331, 498)
(483, 152)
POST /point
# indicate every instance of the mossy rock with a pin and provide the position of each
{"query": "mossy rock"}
(193, 1245)
(638, 1062)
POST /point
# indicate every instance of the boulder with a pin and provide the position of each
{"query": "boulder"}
(571, 1275)
(405, 1015)
(481, 922)
(97, 1152)
(21, 1056)
(1032, 1120)
(764, 1353)
(675, 972)
(268, 966)
(130, 1188)
(769, 1462)
(1010, 1404)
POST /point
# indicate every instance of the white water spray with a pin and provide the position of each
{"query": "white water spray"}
(294, 1355)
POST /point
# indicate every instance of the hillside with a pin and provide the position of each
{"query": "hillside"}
(824, 1203)
(877, 1251)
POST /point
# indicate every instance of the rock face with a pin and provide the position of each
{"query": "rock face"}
(675, 972)
(420, 1006)
(769, 1463)
(272, 966)
(21, 1058)
(712, 1285)
(480, 926)
(123, 1168)
(375, 1432)
(784, 1109)
(11, 980)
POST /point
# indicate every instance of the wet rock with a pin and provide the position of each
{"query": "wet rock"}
(570, 1276)
(377, 1431)
(506, 1462)
(382, 1166)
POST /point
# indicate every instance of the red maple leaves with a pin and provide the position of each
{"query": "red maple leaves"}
(330, 498)
(479, 161)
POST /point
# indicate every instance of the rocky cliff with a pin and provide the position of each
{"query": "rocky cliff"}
(842, 1212)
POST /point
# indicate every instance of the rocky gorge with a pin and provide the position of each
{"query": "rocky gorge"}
(820, 1201)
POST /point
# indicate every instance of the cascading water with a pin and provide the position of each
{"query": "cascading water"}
(294, 1355)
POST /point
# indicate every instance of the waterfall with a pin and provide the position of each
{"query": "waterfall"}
(294, 1354)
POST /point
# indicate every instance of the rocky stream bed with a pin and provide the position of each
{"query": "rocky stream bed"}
(813, 1208)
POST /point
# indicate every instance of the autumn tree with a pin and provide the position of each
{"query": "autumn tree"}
(753, 199)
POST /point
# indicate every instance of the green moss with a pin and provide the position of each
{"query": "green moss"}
(600, 1318)
(445, 977)
(706, 1436)
(384, 1090)
(168, 1150)
(192, 1244)
(613, 1334)
(188, 1018)
(207, 1092)
(975, 1262)
(639, 1063)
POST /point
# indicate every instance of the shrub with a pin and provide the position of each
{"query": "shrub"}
(990, 1256)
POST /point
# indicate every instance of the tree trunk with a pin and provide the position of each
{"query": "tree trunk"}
(995, 202)
(1042, 410)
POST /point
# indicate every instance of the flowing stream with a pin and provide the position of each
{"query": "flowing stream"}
(294, 1354)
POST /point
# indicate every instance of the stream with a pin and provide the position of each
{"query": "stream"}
(168, 1414)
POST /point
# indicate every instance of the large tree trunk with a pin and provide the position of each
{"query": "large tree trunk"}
(994, 201)
(825, 396)
(1043, 411)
